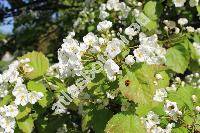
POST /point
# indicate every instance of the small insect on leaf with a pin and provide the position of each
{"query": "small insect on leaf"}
(127, 83)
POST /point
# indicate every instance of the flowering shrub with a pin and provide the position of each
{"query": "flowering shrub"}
(132, 72)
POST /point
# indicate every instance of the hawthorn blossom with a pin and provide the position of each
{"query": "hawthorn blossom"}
(34, 96)
(160, 95)
(182, 21)
(172, 110)
(149, 51)
(113, 48)
(179, 3)
(104, 25)
(111, 69)
(194, 3)
(90, 39)
(129, 60)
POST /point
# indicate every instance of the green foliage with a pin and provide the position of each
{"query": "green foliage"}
(139, 86)
(183, 97)
(39, 87)
(26, 125)
(153, 9)
(23, 111)
(39, 63)
(5, 100)
(124, 123)
(177, 57)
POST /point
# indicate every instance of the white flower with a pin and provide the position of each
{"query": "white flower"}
(113, 48)
(129, 60)
(194, 98)
(19, 89)
(8, 124)
(169, 127)
(177, 30)
(84, 47)
(90, 39)
(151, 120)
(197, 47)
(101, 41)
(136, 12)
(103, 15)
(172, 110)
(149, 51)
(102, 7)
(157, 129)
(160, 95)
(130, 31)
(24, 61)
(190, 29)
(198, 109)
(14, 65)
(194, 3)
(113, 4)
(182, 21)
(104, 25)
(198, 30)
(34, 96)
(71, 47)
(27, 68)
(140, 55)
(111, 68)
(21, 98)
(11, 111)
(158, 76)
(3, 89)
(95, 49)
(109, 95)
(74, 91)
(10, 75)
(179, 3)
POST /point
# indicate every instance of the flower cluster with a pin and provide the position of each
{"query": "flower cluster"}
(7, 118)
(145, 66)
(12, 81)
(180, 3)
(149, 51)
(152, 122)
(120, 7)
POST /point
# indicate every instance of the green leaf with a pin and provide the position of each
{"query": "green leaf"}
(23, 111)
(100, 119)
(86, 122)
(137, 85)
(39, 87)
(5, 100)
(188, 119)
(60, 86)
(198, 9)
(183, 97)
(152, 25)
(164, 82)
(177, 58)
(153, 9)
(124, 123)
(179, 130)
(39, 63)
(196, 37)
(146, 22)
(26, 125)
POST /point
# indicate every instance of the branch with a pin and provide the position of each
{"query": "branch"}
(39, 5)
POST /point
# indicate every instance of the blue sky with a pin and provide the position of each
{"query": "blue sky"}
(6, 28)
